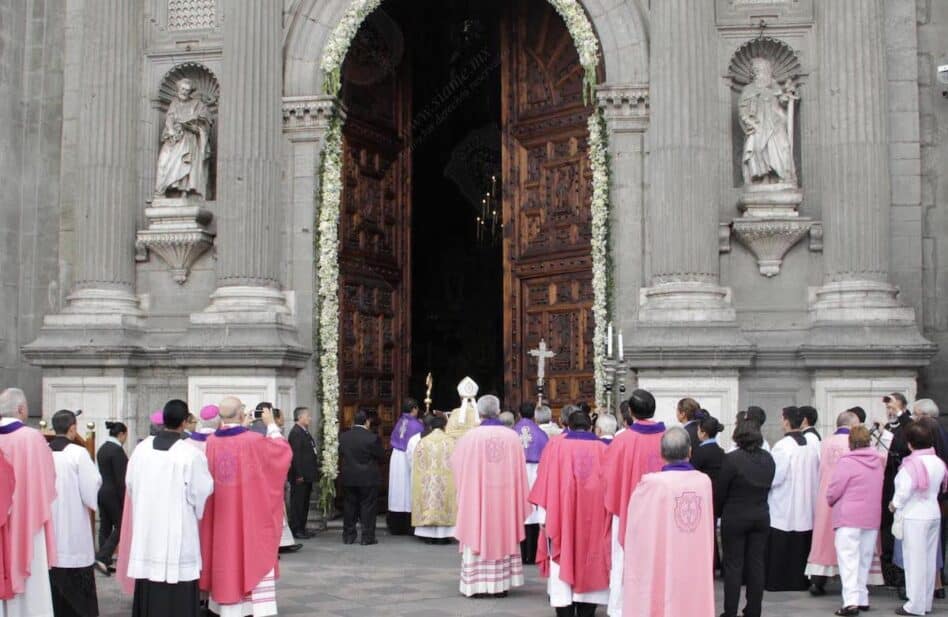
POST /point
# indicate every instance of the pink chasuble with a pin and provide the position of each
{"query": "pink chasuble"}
(28, 453)
(823, 549)
(570, 486)
(632, 454)
(7, 486)
(243, 518)
(490, 475)
(668, 570)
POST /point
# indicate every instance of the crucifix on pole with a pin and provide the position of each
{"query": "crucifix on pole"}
(542, 354)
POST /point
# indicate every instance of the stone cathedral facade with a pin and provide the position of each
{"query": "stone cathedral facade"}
(778, 220)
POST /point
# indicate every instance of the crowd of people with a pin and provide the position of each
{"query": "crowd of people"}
(604, 505)
(194, 520)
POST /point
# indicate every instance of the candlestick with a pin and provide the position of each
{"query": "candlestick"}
(621, 351)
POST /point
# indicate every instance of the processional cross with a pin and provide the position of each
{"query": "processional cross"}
(542, 353)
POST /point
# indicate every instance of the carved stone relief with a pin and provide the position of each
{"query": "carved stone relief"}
(765, 73)
(192, 14)
(179, 227)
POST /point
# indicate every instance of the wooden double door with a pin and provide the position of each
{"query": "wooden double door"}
(547, 185)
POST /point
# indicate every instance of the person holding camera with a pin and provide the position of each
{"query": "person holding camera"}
(249, 471)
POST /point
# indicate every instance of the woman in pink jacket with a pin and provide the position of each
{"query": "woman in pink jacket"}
(855, 494)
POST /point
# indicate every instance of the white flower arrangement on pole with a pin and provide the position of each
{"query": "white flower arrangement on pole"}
(327, 330)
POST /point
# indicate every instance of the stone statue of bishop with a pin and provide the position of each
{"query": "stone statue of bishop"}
(765, 110)
(184, 159)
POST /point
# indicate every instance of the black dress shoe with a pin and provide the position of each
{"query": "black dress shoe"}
(902, 611)
(348, 540)
(816, 590)
(939, 594)
(864, 608)
(102, 568)
(847, 611)
(291, 549)
(369, 542)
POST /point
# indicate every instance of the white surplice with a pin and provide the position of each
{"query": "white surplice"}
(77, 492)
(36, 600)
(796, 484)
(537, 514)
(167, 490)
(399, 478)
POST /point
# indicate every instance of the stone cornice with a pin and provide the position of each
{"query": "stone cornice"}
(308, 115)
(625, 107)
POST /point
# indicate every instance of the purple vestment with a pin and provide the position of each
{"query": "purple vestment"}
(407, 427)
(532, 438)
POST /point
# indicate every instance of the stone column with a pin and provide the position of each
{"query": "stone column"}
(684, 167)
(107, 195)
(248, 322)
(249, 164)
(854, 167)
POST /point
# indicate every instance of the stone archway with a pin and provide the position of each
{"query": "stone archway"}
(621, 29)
(621, 100)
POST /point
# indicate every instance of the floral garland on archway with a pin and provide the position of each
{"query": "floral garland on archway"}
(327, 239)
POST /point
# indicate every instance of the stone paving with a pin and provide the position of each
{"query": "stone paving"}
(403, 576)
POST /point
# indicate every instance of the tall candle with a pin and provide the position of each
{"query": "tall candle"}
(609, 340)
(621, 350)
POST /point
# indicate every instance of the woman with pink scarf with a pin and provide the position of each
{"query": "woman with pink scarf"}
(854, 492)
(917, 485)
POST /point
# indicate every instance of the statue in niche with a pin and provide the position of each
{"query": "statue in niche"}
(185, 155)
(765, 110)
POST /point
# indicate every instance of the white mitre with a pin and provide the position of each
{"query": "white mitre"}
(467, 390)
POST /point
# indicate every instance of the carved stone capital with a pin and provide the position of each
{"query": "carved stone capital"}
(308, 116)
(177, 232)
(625, 107)
(769, 239)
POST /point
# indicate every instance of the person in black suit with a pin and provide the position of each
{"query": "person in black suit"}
(708, 459)
(361, 452)
(302, 472)
(112, 462)
(687, 410)
(740, 500)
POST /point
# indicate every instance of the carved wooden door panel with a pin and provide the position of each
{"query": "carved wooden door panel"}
(374, 243)
(548, 288)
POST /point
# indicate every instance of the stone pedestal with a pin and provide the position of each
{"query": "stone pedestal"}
(178, 232)
(110, 394)
(715, 390)
(771, 224)
(837, 391)
(250, 387)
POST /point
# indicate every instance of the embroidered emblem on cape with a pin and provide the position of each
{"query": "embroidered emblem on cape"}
(687, 511)
(495, 450)
(225, 468)
(403, 426)
(583, 466)
(526, 437)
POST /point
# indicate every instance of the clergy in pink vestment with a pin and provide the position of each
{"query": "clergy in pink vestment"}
(633, 453)
(490, 476)
(669, 541)
(822, 564)
(575, 544)
(7, 485)
(243, 519)
(32, 538)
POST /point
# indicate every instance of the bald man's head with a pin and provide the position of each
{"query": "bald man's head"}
(230, 407)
